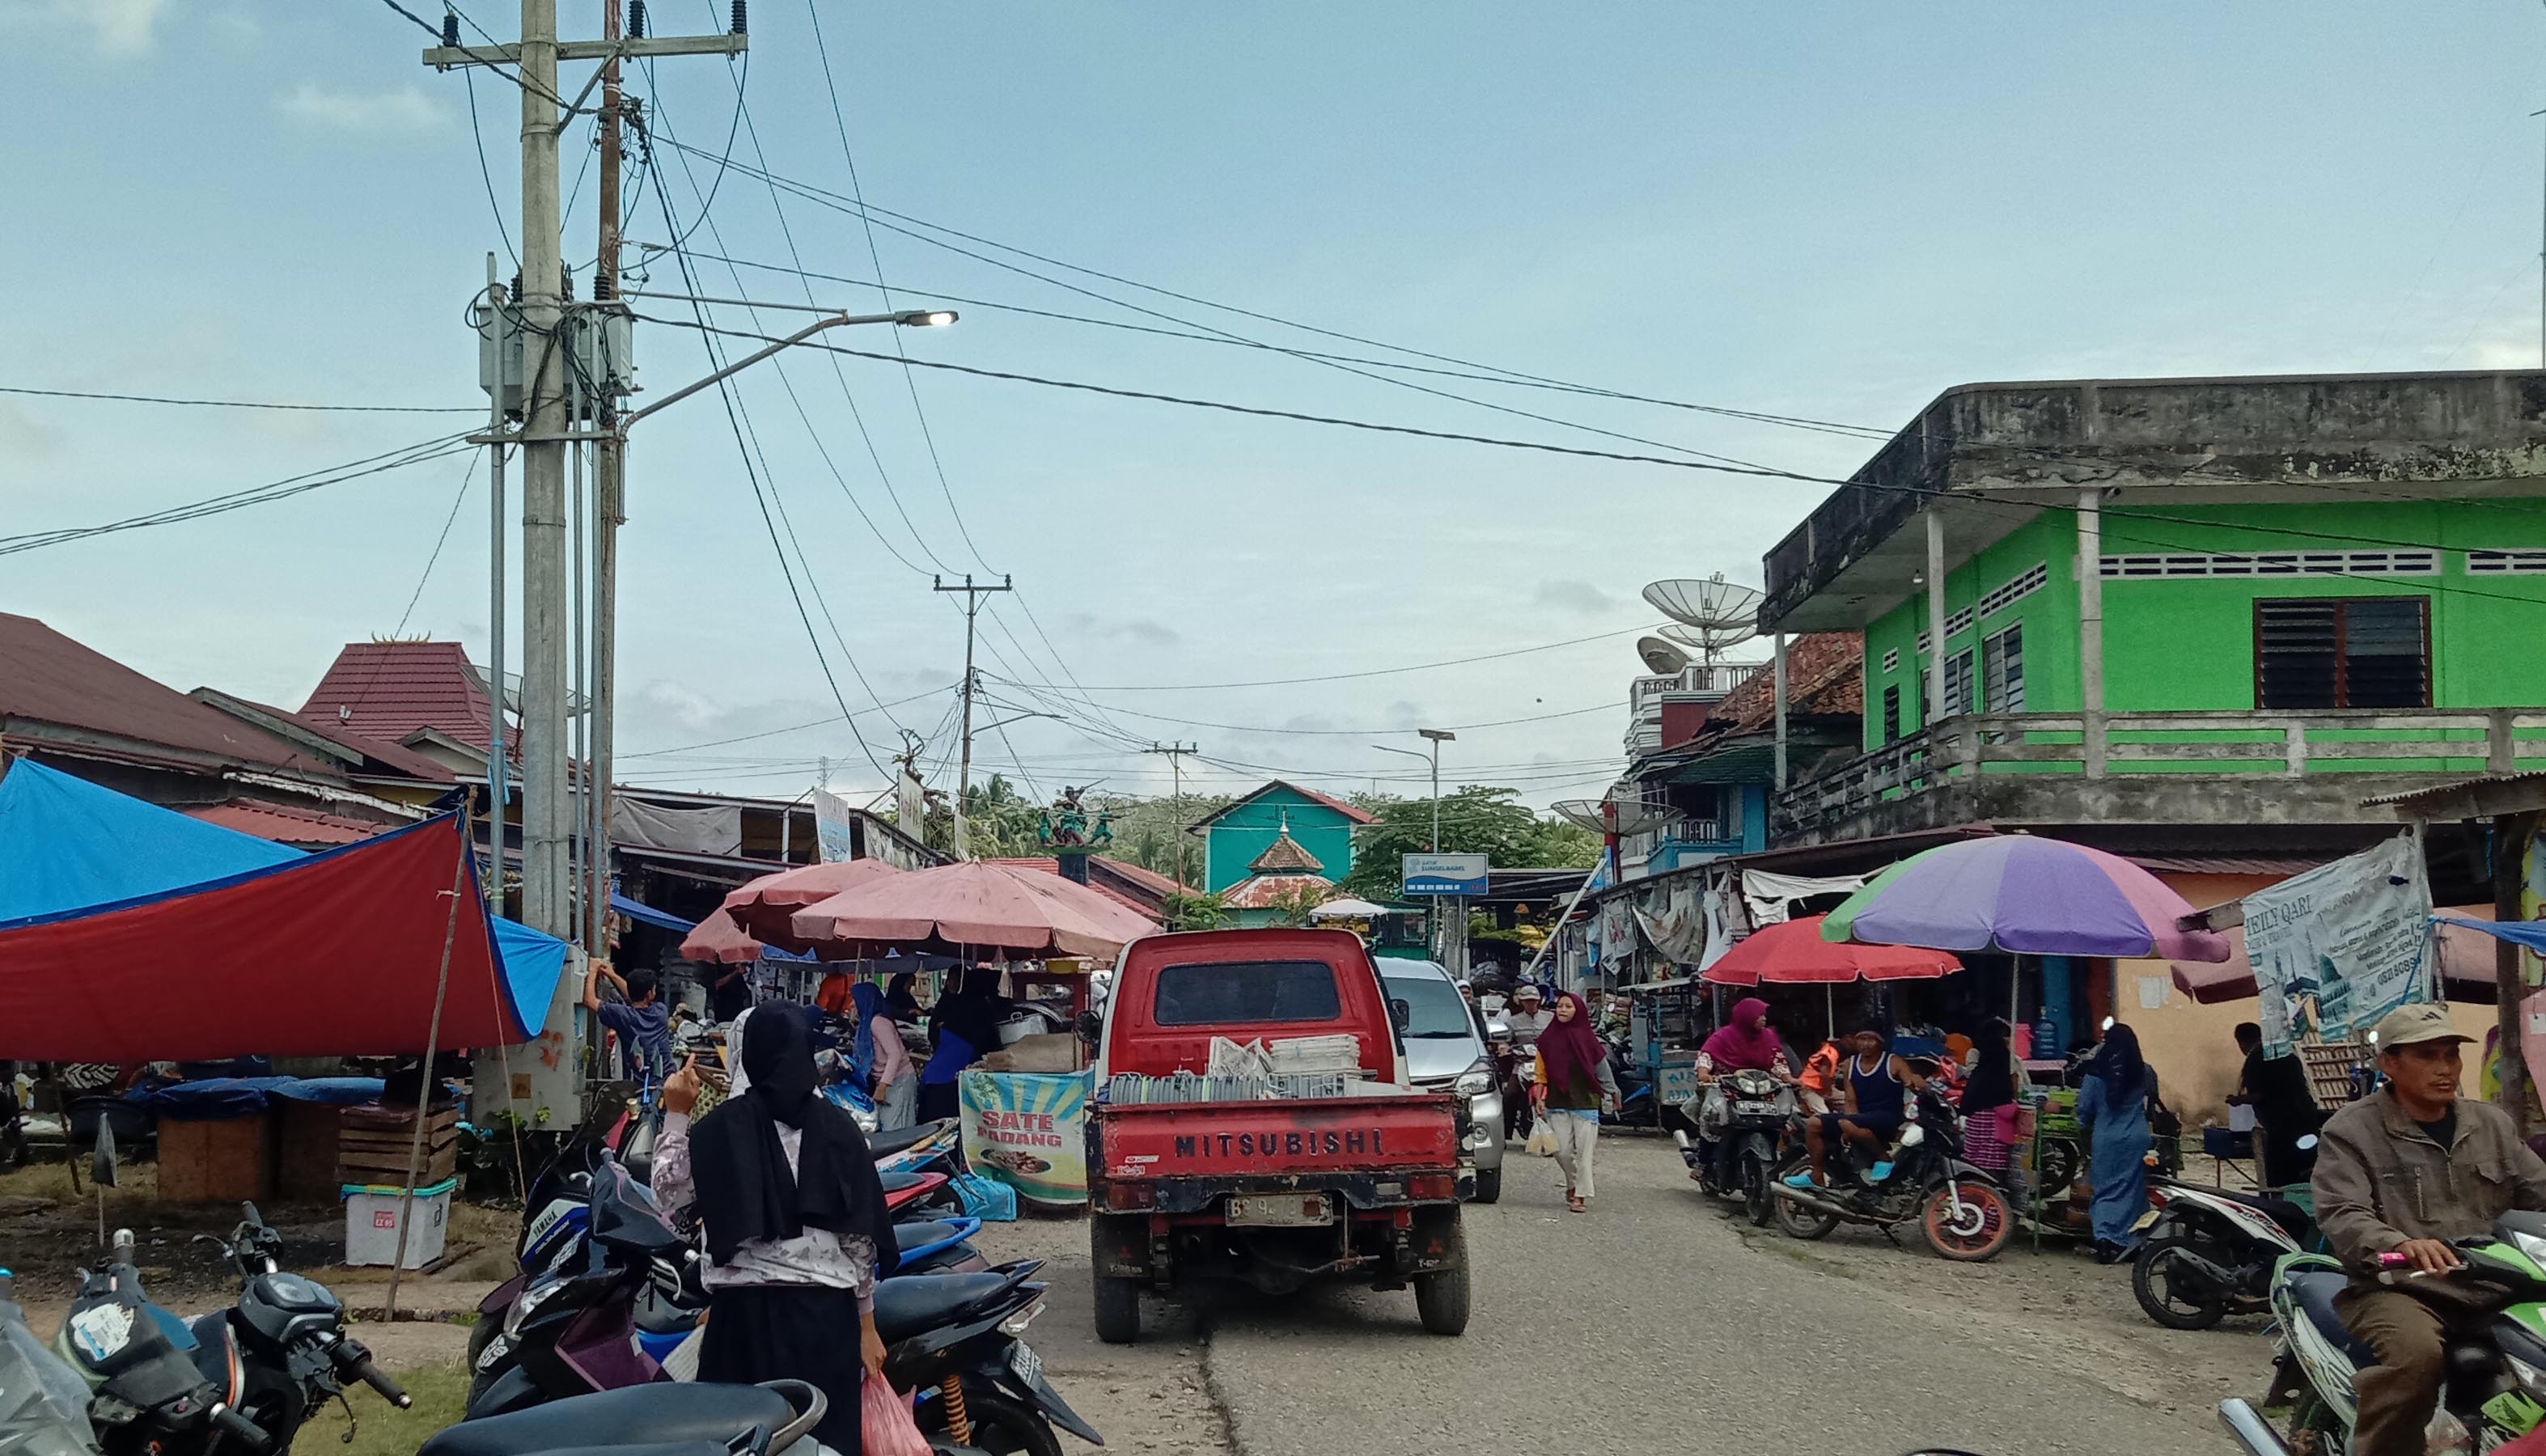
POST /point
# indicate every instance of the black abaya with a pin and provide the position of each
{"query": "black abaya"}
(790, 1331)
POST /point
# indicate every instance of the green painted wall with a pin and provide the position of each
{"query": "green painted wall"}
(1237, 837)
(2189, 642)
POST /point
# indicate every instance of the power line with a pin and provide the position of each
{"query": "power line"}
(467, 478)
(1351, 732)
(1284, 682)
(245, 404)
(776, 733)
(254, 495)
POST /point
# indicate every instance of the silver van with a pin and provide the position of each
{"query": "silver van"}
(1445, 1050)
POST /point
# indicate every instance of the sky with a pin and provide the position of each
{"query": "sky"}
(1832, 212)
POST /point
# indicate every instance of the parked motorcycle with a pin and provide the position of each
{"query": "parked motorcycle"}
(1742, 1117)
(574, 1329)
(44, 1403)
(1960, 1208)
(764, 1419)
(146, 1395)
(2206, 1254)
(957, 1339)
(2496, 1386)
(281, 1351)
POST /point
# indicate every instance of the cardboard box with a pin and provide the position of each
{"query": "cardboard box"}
(1049, 1052)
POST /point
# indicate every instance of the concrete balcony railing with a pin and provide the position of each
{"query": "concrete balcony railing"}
(2076, 768)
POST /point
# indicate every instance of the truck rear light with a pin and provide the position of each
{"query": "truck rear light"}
(1127, 1197)
(1433, 1186)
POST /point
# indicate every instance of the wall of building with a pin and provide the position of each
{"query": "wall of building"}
(2186, 643)
(1235, 839)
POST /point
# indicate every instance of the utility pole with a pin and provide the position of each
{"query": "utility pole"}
(544, 524)
(963, 776)
(1175, 753)
(608, 514)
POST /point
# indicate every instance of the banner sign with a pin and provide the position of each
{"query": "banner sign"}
(1029, 1132)
(836, 827)
(1444, 873)
(2341, 945)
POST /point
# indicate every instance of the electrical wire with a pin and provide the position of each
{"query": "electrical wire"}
(466, 479)
(776, 733)
(485, 173)
(245, 404)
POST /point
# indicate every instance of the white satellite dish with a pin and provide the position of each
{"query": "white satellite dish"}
(1633, 818)
(1713, 613)
(1665, 658)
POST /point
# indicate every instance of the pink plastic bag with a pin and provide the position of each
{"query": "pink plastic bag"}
(884, 1421)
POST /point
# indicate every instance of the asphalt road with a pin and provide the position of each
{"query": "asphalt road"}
(1652, 1324)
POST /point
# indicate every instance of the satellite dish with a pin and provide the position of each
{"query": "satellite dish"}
(1661, 656)
(1714, 613)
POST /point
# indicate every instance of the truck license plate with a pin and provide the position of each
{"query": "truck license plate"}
(1277, 1210)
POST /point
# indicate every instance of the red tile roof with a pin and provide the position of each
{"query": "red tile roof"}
(1348, 811)
(48, 678)
(1267, 892)
(1051, 866)
(286, 823)
(1824, 674)
(1142, 875)
(388, 689)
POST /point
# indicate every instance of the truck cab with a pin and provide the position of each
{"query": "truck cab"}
(1308, 1155)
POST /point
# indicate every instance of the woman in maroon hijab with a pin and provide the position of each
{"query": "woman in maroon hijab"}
(1573, 1083)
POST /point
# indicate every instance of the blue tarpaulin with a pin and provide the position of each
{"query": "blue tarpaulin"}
(2530, 933)
(639, 910)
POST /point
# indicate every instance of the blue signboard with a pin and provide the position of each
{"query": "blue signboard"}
(1444, 873)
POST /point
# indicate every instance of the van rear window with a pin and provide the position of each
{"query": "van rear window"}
(1219, 991)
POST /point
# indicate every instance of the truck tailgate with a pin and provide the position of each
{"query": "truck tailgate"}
(1303, 1136)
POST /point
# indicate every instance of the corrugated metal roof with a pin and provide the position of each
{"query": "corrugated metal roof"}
(284, 823)
(48, 678)
(1265, 892)
(388, 689)
(2229, 864)
(2532, 776)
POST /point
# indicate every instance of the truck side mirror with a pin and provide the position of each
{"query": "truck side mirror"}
(1400, 1011)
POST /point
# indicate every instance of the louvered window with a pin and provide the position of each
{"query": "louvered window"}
(2332, 652)
(1892, 714)
(2002, 671)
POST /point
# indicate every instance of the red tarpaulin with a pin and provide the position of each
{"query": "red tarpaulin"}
(334, 954)
(1793, 953)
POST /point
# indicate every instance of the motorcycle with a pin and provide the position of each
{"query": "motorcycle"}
(44, 1403)
(575, 1327)
(764, 1419)
(147, 1394)
(1960, 1208)
(1741, 1118)
(2205, 1253)
(958, 1340)
(1514, 1066)
(2495, 1387)
(281, 1351)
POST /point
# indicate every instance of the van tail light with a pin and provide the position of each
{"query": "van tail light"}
(1130, 1197)
(1432, 1186)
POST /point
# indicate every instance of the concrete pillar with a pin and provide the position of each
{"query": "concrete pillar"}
(2090, 625)
(1781, 712)
(1938, 708)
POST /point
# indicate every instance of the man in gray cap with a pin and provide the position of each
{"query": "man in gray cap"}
(2404, 1170)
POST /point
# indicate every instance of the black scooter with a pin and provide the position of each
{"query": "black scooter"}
(958, 1341)
(281, 1351)
(146, 1395)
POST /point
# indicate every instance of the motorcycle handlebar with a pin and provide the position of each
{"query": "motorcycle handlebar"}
(362, 1369)
(241, 1430)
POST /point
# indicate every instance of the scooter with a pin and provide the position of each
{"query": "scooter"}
(281, 1351)
(44, 1403)
(574, 1329)
(1959, 1207)
(2496, 1386)
(1742, 1117)
(2205, 1253)
(147, 1395)
(958, 1340)
(764, 1419)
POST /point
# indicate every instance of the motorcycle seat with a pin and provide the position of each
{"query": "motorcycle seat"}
(2294, 1220)
(940, 1261)
(663, 1419)
(926, 1232)
(2316, 1292)
(885, 1144)
(905, 1307)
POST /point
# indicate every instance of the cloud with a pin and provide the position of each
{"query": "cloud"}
(1573, 597)
(1146, 630)
(23, 437)
(118, 27)
(402, 109)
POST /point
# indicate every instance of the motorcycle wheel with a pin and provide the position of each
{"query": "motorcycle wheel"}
(2172, 1296)
(1757, 1200)
(1002, 1425)
(1800, 1222)
(1980, 1229)
(276, 1404)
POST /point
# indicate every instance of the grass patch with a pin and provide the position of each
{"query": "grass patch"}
(441, 1395)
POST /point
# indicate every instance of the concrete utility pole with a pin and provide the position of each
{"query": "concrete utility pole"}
(543, 525)
(963, 776)
(1175, 753)
(608, 514)
(499, 792)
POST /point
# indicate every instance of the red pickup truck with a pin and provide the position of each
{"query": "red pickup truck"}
(1275, 1190)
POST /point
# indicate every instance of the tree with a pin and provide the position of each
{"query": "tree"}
(1291, 903)
(1476, 818)
(1188, 910)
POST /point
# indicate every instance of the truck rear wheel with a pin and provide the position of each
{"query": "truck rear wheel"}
(1117, 1309)
(1441, 1297)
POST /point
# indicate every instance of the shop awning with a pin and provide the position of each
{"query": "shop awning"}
(130, 933)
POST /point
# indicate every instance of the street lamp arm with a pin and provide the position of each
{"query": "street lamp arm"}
(913, 317)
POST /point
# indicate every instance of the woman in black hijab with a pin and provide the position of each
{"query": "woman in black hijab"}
(796, 1231)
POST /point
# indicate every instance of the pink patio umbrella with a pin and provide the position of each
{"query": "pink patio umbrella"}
(1793, 953)
(973, 904)
(763, 907)
(716, 940)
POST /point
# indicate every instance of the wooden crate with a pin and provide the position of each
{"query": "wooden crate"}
(372, 1144)
(306, 1165)
(228, 1160)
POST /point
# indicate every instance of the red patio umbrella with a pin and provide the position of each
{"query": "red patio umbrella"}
(976, 903)
(1793, 953)
(718, 941)
(763, 906)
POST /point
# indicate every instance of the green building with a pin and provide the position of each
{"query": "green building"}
(2180, 602)
(1235, 839)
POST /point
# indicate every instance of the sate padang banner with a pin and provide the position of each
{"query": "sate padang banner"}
(2341, 945)
(1029, 1132)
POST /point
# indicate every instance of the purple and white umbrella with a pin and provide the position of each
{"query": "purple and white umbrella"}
(2027, 894)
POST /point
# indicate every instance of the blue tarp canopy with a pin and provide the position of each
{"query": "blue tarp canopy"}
(635, 909)
(2530, 933)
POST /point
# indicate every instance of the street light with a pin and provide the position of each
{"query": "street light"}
(927, 319)
(1437, 737)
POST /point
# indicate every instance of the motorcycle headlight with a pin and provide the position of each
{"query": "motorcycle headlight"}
(1475, 1081)
(2532, 1245)
(529, 1302)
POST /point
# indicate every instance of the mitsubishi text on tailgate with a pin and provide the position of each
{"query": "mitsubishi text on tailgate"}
(1253, 1121)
